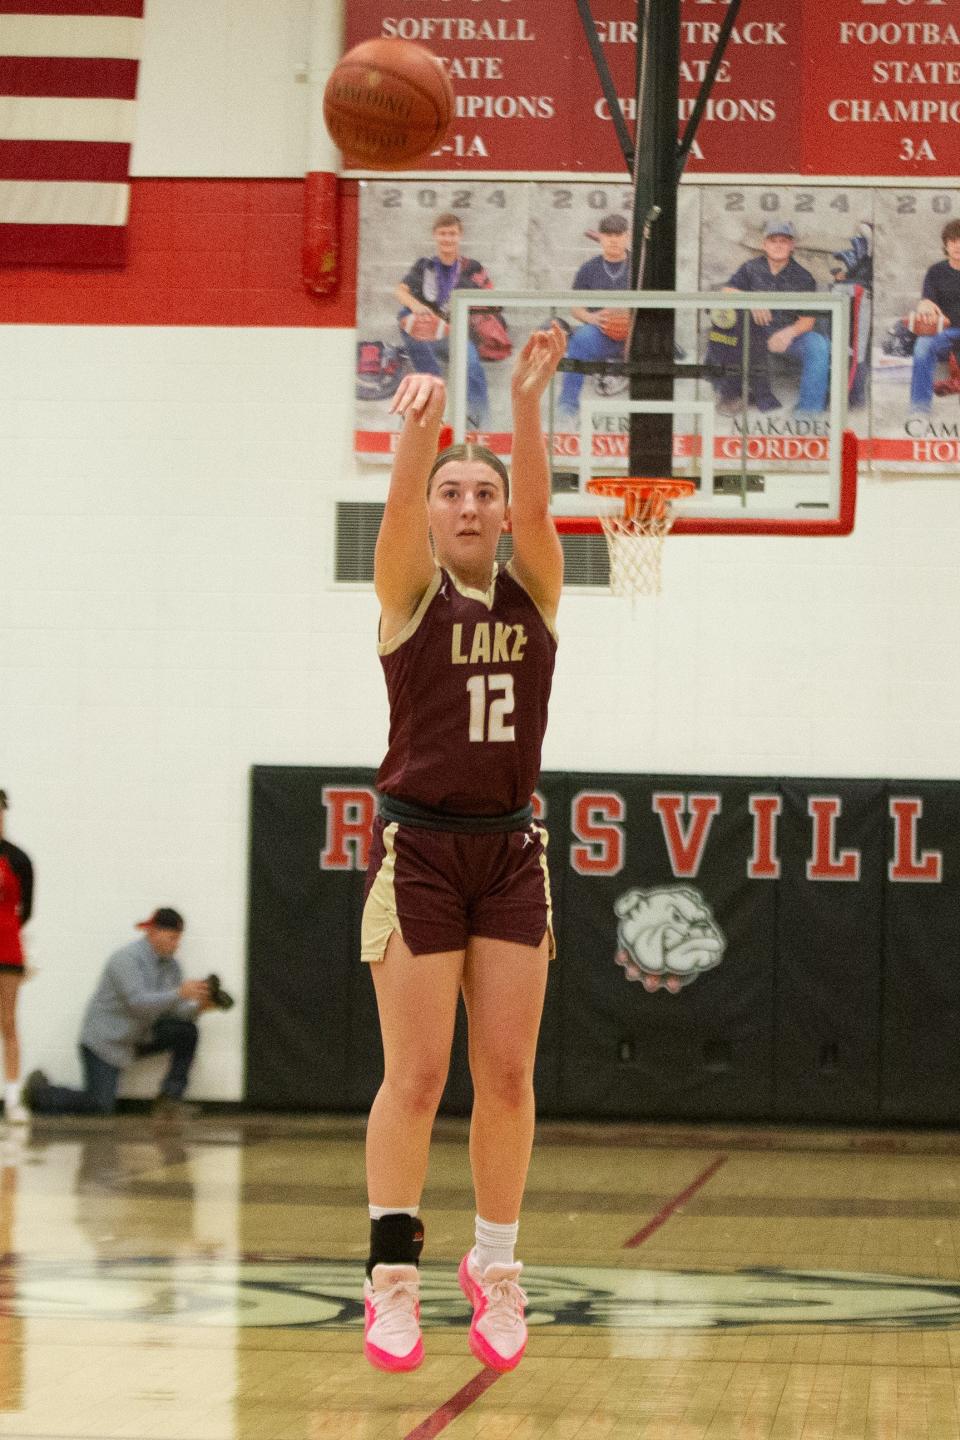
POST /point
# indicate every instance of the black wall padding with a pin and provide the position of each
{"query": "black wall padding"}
(921, 983)
(829, 959)
(306, 1024)
(704, 1050)
(835, 999)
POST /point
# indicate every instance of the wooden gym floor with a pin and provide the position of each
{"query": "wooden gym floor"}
(685, 1284)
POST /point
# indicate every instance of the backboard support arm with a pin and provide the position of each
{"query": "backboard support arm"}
(606, 82)
(716, 60)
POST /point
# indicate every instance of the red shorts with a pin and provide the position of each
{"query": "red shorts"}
(11, 950)
(437, 888)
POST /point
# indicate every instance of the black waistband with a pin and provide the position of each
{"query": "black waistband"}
(400, 812)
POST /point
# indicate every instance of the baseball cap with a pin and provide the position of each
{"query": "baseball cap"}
(163, 918)
(780, 227)
(4, 802)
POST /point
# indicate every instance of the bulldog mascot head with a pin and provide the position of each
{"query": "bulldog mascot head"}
(666, 937)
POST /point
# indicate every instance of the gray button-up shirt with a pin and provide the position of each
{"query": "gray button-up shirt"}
(137, 987)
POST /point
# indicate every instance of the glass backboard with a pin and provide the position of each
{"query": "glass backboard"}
(744, 394)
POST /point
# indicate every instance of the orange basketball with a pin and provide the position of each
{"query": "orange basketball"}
(388, 102)
(924, 324)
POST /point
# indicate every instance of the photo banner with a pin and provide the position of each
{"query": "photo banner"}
(875, 246)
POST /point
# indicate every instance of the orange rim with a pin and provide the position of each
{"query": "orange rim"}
(641, 494)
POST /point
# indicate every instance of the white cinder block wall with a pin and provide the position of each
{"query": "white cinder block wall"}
(167, 616)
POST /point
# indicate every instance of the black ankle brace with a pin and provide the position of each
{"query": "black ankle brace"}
(395, 1239)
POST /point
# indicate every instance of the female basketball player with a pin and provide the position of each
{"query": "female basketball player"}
(457, 894)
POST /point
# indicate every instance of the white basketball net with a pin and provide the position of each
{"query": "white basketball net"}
(635, 543)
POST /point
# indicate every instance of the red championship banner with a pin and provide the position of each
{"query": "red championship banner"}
(853, 87)
(522, 76)
(528, 98)
(881, 88)
(752, 121)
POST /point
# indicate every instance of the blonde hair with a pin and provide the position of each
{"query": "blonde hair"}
(469, 452)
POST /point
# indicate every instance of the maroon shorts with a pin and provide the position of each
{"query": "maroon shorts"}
(437, 888)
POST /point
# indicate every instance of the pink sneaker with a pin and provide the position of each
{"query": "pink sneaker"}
(391, 1327)
(498, 1332)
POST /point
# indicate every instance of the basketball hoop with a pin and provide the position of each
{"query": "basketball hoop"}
(636, 534)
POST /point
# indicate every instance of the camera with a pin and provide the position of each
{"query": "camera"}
(218, 996)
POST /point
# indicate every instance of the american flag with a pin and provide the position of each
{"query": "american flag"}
(68, 79)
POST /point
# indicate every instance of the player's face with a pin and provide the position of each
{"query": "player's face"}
(952, 248)
(779, 248)
(613, 247)
(446, 240)
(468, 511)
(164, 942)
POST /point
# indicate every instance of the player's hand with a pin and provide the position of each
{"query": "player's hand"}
(197, 990)
(537, 362)
(928, 308)
(781, 340)
(762, 317)
(424, 326)
(424, 397)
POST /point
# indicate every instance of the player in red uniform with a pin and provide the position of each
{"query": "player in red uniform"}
(16, 905)
(457, 894)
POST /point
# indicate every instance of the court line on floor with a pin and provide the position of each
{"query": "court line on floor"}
(454, 1407)
(662, 1216)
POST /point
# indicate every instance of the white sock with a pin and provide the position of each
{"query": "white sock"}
(495, 1243)
(377, 1212)
(11, 1095)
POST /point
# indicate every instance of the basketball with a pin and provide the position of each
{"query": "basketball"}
(387, 103)
(924, 324)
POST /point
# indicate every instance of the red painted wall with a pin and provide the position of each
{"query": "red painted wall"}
(200, 252)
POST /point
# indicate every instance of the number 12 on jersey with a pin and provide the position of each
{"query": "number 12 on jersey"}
(491, 702)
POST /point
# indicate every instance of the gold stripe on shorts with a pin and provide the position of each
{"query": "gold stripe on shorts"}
(544, 838)
(379, 919)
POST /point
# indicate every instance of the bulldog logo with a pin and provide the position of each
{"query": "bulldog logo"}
(666, 937)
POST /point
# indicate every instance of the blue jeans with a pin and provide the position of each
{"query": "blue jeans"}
(587, 342)
(180, 1037)
(426, 355)
(928, 350)
(101, 1079)
(813, 352)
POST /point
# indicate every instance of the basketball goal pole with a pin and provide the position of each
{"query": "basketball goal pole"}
(655, 160)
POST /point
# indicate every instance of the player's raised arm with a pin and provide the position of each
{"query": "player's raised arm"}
(403, 563)
(537, 553)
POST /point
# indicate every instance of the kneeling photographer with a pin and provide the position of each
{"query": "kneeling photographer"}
(142, 1006)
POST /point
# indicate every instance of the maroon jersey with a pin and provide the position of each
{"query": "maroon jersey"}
(468, 679)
